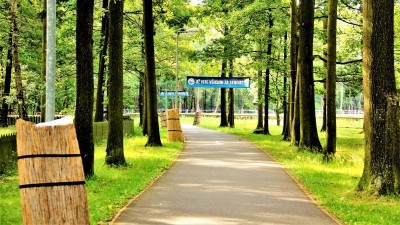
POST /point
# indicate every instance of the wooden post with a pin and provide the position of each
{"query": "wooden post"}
(197, 118)
(174, 130)
(163, 118)
(52, 181)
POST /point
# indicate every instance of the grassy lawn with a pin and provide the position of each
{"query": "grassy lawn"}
(333, 185)
(111, 188)
(7, 130)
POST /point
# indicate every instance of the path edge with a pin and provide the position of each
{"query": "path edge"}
(299, 185)
(136, 197)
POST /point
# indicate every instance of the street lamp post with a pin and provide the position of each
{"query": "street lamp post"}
(180, 31)
(177, 69)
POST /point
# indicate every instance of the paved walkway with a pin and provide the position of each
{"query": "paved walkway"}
(220, 179)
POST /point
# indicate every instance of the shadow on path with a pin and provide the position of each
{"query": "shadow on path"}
(221, 179)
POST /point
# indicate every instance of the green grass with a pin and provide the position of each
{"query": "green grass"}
(111, 188)
(333, 185)
(7, 130)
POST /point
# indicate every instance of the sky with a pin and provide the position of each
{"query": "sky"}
(195, 2)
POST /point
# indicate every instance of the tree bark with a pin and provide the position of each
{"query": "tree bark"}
(293, 99)
(22, 113)
(99, 114)
(7, 83)
(286, 107)
(259, 102)
(231, 95)
(85, 84)
(378, 84)
(43, 72)
(153, 137)
(267, 75)
(330, 147)
(325, 53)
(224, 119)
(115, 143)
(308, 126)
(141, 98)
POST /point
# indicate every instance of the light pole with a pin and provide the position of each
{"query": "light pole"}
(180, 31)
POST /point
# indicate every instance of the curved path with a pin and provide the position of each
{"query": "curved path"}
(221, 179)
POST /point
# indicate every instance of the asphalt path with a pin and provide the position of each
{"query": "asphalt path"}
(222, 179)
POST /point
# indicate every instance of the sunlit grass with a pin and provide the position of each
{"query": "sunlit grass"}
(110, 188)
(7, 130)
(333, 185)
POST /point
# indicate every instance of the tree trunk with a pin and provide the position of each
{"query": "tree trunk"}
(115, 143)
(7, 84)
(1, 67)
(294, 124)
(286, 107)
(43, 72)
(85, 84)
(145, 128)
(267, 75)
(379, 83)
(224, 119)
(153, 137)
(325, 53)
(231, 98)
(22, 113)
(324, 112)
(99, 114)
(141, 99)
(142, 93)
(308, 126)
(330, 147)
(259, 102)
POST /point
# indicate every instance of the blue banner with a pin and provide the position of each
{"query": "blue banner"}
(173, 93)
(217, 82)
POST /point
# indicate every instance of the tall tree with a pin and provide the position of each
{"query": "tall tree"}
(22, 112)
(85, 83)
(224, 119)
(153, 136)
(286, 107)
(115, 143)
(259, 102)
(231, 96)
(381, 163)
(330, 147)
(294, 87)
(308, 126)
(325, 53)
(99, 114)
(7, 84)
(267, 75)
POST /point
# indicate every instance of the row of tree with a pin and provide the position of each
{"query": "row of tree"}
(278, 43)
(381, 126)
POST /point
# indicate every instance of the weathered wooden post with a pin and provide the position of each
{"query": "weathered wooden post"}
(197, 118)
(52, 181)
(174, 130)
(163, 118)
